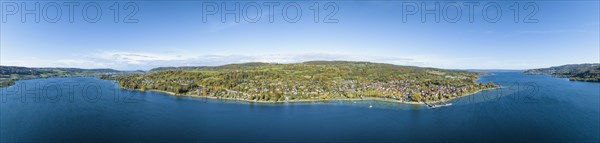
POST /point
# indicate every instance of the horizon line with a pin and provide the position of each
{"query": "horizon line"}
(233, 63)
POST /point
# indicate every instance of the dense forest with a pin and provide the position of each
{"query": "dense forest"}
(308, 81)
(9, 74)
(575, 72)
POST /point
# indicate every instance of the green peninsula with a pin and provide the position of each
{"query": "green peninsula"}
(309, 81)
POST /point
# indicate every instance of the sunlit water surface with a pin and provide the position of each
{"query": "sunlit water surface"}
(532, 108)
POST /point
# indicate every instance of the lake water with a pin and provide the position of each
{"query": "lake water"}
(531, 108)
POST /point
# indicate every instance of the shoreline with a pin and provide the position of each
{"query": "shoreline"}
(300, 100)
(312, 100)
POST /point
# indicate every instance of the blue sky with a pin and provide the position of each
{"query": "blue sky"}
(174, 34)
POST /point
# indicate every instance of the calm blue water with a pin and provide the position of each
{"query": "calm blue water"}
(528, 108)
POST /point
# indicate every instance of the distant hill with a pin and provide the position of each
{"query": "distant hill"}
(229, 66)
(159, 69)
(575, 72)
(7, 70)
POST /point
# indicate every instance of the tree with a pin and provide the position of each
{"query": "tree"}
(416, 96)
(490, 84)
(276, 96)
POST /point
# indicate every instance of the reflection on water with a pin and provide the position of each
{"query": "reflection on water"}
(527, 108)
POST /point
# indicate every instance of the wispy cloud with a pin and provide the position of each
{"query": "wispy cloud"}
(137, 60)
(144, 60)
(556, 31)
(133, 61)
(216, 27)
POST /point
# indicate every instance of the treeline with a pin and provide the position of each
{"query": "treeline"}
(575, 72)
(316, 80)
(10, 74)
(7, 82)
